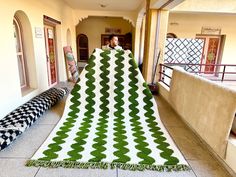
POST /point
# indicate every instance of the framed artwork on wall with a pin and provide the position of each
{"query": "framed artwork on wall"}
(113, 30)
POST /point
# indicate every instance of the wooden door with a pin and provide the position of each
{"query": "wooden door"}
(82, 48)
(50, 44)
(211, 52)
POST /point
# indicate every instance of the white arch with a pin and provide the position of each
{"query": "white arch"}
(81, 15)
(28, 47)
(138, 26)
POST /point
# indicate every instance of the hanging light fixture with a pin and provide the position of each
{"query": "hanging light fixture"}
(103, 5)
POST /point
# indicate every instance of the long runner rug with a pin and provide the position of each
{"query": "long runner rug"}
(110, 120)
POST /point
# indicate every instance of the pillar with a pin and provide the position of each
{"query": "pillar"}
(155, 36)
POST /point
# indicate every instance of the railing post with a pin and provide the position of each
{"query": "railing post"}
(160, 72)
(223, 74)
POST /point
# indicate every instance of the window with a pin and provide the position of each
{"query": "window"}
(82, 47)
(171, 35)
(20, 53)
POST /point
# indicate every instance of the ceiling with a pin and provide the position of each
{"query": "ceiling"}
(110, 5)
(220, 6)
(216, 6)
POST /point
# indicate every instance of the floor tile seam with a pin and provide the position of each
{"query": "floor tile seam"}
(37, 172)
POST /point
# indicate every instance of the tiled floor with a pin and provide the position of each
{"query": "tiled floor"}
(202, 162)
(13, 158)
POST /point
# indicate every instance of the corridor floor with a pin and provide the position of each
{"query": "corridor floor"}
(13, 158)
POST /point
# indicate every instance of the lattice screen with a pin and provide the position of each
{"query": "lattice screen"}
(187, 51)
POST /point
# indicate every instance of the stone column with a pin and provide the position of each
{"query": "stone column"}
(155, 36)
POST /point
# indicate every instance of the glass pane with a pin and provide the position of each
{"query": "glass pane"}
(50, 34)
(83, 41)
(21, 70)
(16, 37)
(83, 54)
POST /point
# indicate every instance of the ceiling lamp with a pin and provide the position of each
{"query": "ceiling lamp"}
(103, 5)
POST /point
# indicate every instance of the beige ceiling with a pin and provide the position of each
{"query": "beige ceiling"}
(111, 5)
(220, 6)
(217, 6)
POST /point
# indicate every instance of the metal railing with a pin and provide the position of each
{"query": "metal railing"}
(219, 72)
(163, 74)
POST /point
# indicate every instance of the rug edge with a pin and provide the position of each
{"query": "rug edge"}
(106, 165)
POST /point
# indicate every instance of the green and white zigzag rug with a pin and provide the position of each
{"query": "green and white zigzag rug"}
(110, 120)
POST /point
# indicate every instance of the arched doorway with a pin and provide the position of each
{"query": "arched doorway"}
(82, 47)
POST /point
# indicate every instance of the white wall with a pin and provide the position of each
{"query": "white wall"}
(93, 27)
(187, 25)
(80, 15)
(196, 111)
(10, 91)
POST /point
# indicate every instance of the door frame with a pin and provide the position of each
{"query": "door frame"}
(219, 54)
(52, 25)
(79, 48)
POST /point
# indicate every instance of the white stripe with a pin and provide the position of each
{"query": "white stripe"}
(39, 154)
(66, 147)
(169, 140)
(86, 154)
(44, 146)
(110, 131)
(155, 152)
(134, 159)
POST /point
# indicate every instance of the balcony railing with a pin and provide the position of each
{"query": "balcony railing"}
(214, 72)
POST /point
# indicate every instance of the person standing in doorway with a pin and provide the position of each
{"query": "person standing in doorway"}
(113, 43)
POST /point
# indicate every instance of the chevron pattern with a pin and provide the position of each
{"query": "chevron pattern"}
(110, 120)
(17, 121)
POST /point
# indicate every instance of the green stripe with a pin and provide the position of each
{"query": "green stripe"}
(119, 118)
(82, 134)
(50, 153)
(157, 134)
(138, 130)
(102, 124)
